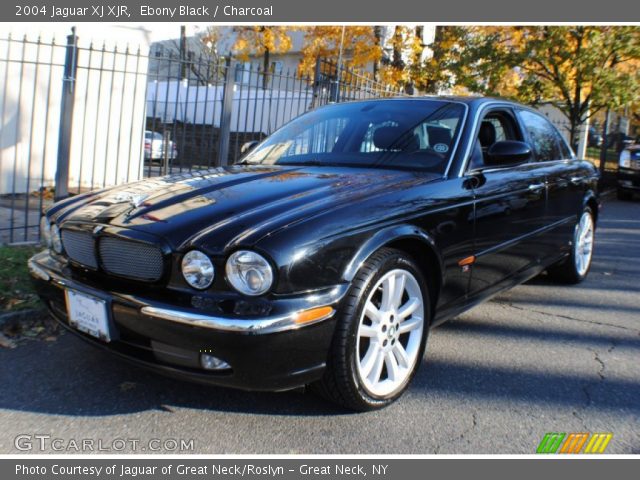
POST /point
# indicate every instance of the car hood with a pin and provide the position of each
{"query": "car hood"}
(219, 208)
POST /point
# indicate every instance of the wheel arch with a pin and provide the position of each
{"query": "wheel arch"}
(591, 200)
(416, 243)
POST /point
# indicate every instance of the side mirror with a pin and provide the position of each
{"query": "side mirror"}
(507, 153)
(248, 146)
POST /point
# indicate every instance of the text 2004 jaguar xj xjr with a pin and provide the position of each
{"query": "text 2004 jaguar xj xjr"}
(325, 256)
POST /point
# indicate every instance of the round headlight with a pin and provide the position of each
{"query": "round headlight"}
(56, 241)
(45, 231)
(249, 273)
(197, 269)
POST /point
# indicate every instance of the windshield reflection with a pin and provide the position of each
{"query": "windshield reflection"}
(399, 133)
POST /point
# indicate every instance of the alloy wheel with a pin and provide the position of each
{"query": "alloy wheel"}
(583, 243)
(390, 333)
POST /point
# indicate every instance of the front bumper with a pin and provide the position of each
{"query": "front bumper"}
(629, 180)
(265, 353)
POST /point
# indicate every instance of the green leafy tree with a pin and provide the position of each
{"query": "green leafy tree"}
(360, 45)
(582, 69)
(436, 72)
(262, 40)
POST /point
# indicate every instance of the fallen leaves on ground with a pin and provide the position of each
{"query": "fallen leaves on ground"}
(13, 302)
(16, 289)
(6, 342)
(38, 326)
(45, 192)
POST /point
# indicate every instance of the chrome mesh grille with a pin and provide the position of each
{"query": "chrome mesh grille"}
(79, 247)
(130, 259)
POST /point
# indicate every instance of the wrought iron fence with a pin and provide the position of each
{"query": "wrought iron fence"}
(335, 83)
(75, 118)
(200, 111)
(203, 118)
(70, 121)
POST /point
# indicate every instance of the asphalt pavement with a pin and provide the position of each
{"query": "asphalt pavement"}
(539, 358)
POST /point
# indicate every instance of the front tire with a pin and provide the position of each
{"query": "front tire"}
(575, 268)
(380, 336)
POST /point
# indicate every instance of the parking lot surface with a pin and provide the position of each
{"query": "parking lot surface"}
(539, 358)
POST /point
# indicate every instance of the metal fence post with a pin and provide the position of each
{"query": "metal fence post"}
(165, 151)
(225, 115)
(66, 117)
(605, 146)
(316, 84)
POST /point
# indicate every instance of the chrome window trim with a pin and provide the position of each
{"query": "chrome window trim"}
(478, 171)
(562, 139)
(476, 120)
(461, 130)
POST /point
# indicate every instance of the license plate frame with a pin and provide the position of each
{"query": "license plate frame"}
(89, 314)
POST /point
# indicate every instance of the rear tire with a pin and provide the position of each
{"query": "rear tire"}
(380, 335)
(575, 268)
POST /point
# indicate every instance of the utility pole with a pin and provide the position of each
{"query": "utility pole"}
(183, 52)
(339, 67)
(66, 117)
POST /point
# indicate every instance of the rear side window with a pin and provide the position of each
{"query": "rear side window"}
(546, 141)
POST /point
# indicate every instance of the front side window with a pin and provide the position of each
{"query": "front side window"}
(496, 126)
(402, 134)
(545, 139)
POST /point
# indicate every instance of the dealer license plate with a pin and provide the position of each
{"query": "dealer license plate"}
(88, 314)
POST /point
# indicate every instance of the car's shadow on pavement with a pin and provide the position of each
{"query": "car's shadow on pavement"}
(69, 377)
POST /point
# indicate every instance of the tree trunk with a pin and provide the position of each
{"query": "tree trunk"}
(183, 52)
(432, 85)
(377, 34)
(573, 133)
(397, 61)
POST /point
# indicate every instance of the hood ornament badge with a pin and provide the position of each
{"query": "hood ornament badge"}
(135, 199)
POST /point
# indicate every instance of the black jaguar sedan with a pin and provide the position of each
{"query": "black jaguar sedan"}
(326, 255)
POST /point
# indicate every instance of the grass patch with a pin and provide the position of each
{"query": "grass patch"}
(16, 291)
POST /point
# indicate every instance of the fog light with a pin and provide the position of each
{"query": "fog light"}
(209, 362)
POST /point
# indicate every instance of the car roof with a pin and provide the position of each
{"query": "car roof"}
(470, 100)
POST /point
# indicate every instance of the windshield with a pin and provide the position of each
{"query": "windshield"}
(402, 134)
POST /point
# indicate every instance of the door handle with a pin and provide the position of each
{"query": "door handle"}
(536, 186)
(576, 180)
